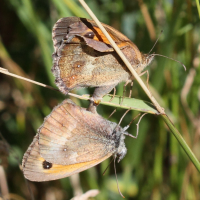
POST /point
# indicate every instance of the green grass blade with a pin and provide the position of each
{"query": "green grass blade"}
(198, 7)
(182, 142)
(133, 104)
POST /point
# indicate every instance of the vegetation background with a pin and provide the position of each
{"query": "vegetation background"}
(155, 166)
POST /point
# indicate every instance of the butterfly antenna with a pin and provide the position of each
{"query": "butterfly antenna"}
(154, 54)
(107, 167)
(117, 180)
(156, 42)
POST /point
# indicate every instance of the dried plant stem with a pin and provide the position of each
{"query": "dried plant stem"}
(5, 71)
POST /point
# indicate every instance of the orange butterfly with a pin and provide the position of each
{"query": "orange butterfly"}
(71, 140)
(83, 57)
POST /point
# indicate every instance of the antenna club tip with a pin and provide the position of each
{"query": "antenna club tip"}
(162, 31)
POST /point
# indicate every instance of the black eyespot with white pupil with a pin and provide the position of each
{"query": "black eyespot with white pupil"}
(47, 165)
(89, 35)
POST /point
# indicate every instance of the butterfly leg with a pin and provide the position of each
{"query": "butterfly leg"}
(131, 90)
(112, 113)
(97, 96)
(113, 94)
(124, 90)
(110, 101)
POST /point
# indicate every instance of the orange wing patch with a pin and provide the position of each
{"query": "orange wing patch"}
(35, 167)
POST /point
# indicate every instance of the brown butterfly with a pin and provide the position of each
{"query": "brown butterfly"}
(71, 140)
(83, 57)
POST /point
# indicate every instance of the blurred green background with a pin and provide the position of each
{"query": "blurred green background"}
(155, 166)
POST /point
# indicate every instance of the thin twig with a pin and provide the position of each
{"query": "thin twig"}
(5, 71)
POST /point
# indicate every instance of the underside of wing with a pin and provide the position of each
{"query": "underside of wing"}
(81, 66)
(70, 135)
(60, 30)
(120, 39)
(36, 168)
(85, 62)
(80, 26)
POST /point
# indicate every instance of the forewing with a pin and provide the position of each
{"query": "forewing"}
(120, 39)
(60, 30)
(75, 26)
(98, 40)
(71, 135)
(34, 165)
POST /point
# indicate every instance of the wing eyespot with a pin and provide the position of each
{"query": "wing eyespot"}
(89, 35)
(47, 165)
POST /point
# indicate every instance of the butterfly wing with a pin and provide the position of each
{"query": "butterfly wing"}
(75, 26)
(60, 30)
(90, 62)
(71, 135)
(80, 66)
(36, 168)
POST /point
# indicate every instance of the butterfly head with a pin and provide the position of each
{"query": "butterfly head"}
(146, 60)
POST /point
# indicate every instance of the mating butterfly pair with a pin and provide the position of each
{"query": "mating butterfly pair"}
(73, 139)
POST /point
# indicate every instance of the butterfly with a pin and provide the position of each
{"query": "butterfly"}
(83, 57)
(71, 140)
